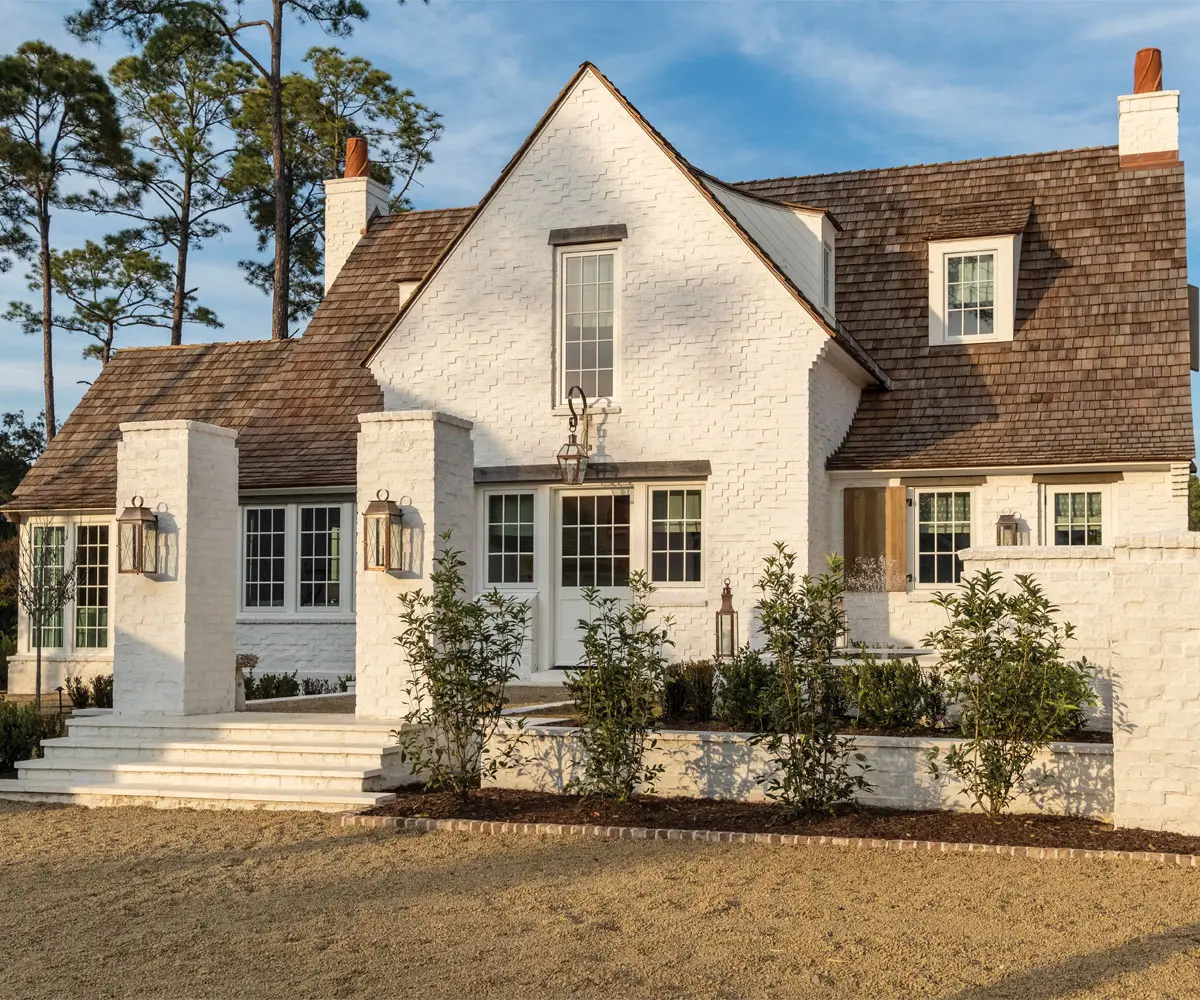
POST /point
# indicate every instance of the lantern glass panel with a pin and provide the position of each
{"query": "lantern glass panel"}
(127, 544)
(150, 546)
(373, 542)
(395, 545)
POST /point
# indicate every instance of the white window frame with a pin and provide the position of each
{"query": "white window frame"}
(914, 540)
(827, 276)
(1006, 253)
(1107, 511)
(530, 490)
(648, 544)
(560, 350)
(291, 609)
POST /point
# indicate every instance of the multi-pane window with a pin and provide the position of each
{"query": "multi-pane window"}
(265, 556)
(320, 557)
(826, 275)
(91, 586)
(510, 538)
(675, 536)
(943, 530)
(1077, 519)
(970, 294)
(49, 560)
(587, 313)
(595, 541)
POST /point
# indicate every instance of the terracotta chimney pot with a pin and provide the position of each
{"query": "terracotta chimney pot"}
(1147, 72)
(356, 153)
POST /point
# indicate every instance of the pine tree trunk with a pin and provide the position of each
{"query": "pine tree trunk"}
(181, 259)
(279, 303)
(47, 319)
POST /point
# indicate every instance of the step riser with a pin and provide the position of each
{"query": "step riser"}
(213, 754)
(99, 800)
(240, 782)
(249, 734)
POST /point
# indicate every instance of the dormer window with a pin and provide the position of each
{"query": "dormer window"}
(972, 290)
(970, 295)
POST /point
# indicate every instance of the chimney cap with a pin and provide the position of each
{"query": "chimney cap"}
(1147, 71)
(356, 157)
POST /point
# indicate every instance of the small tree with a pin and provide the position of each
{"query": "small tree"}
(803, 623)
(462, 653)
(1002, 655)
(617, 690)
(45, 585)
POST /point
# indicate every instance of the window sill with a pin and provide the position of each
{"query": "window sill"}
(292, 618)
(562, 410)
(991, 338)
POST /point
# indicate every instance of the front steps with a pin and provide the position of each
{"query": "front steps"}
(315, 762)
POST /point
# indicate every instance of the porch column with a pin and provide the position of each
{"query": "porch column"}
(425, 460)
(175, 631)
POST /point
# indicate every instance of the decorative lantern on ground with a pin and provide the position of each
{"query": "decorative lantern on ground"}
(726, 625)
(382, 540)
(1009, 532)
(572, 456)
(137, 539)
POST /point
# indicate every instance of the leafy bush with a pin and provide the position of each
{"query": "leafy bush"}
(318, 685)
(270, 685)
(688, 690)
(102, 690)
(8, 647)
(897, 694)
(462, 653)
(803, 622)
(1003, 658)
(22, 729)
(746, 691)
(616, 691)
(79, 692)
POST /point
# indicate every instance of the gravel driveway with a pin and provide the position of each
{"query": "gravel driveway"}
(139, 903)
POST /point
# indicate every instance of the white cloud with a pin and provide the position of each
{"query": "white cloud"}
(1150, 20)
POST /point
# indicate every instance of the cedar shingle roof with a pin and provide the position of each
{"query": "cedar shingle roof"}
(295, 403)
(1098, 368)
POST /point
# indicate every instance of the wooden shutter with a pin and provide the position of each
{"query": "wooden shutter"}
(875, 526)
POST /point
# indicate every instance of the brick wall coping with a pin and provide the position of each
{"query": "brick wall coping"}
(423, 825)
(195, 426)
(425, 416)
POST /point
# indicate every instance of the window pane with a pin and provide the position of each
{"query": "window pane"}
(1077, 519)
(91, 587)
(509, 532)
(263, 566)
(943, 529)
(675, 527)
(588, 305)
(320, 556)
(49, 560)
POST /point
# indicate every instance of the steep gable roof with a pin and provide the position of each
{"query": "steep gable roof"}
(1098, 370)
(841, 336)
(295, 403)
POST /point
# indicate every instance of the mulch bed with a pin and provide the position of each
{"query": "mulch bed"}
(513, 806)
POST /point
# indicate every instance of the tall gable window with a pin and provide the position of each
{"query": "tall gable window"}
(588, 324)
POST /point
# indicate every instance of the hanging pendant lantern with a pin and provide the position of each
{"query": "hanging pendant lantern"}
(382, 538)
(137, 539)
(726, 625)
(572, 458)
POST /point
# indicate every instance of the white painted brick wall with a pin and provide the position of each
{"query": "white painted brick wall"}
(174, 633)
(1148, 123)
(716, 355)
(427, 457)
(349, 204)
(312, 649)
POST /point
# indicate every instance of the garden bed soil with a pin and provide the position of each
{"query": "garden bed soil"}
(514, 806)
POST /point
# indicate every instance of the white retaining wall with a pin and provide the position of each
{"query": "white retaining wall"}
(1078, 777)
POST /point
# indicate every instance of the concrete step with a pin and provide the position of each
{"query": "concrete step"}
(259, 728)
(101, 793)
(197, 751)
(159, 774)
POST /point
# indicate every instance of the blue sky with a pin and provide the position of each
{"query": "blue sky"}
(743, 88)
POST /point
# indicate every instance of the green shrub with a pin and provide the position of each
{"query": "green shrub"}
(803, 623)
(79, 692)
(746, 691)
(462, 654)
(688, 690)
(897, 694)
(102, 690)
(343, 682)
(22, 729)
(8, 647)
(617, 690)
(318, 685)
(270, 685)
(1003, 658)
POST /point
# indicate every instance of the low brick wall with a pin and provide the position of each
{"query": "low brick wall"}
(1078, 776)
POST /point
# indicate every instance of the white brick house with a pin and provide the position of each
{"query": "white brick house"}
(882, 363)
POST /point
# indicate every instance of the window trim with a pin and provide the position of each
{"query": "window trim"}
(1007, 251)
(561, 255)
(485, 583)
(914, 502)
(827, 275)
(648, 546)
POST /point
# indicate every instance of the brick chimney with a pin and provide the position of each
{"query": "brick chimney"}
(1148, 119)
(351, 202)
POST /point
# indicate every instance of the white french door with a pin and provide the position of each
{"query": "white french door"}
(593, 533)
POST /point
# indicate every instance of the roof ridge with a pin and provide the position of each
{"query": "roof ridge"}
(203, 343)
(917, 166)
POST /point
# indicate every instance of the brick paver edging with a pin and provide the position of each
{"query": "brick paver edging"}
(781, 839)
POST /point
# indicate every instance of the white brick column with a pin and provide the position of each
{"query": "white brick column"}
(175, 632)
(428, 457)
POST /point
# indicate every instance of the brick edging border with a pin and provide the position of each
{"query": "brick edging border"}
(489, 827)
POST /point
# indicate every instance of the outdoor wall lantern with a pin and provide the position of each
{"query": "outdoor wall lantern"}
(137, 539)
(726, 625)
(1008, 531)
(382, 540)
(572, 456)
